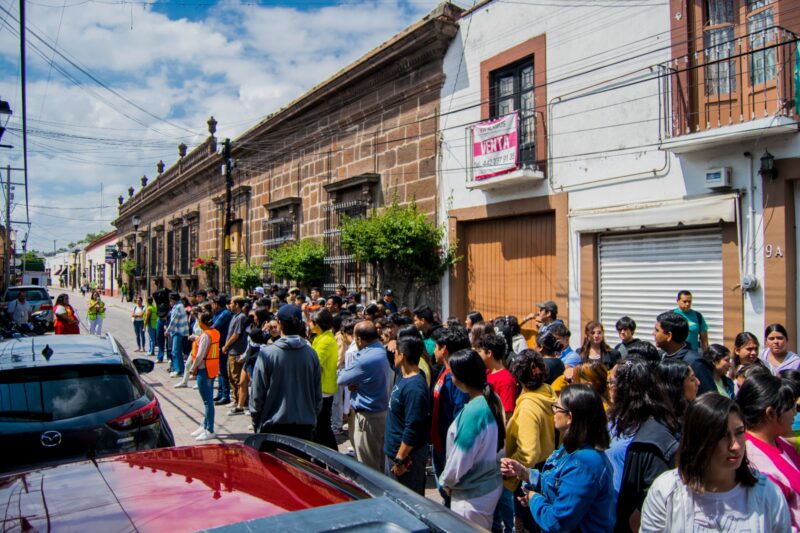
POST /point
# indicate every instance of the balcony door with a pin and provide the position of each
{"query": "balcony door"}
(512, 89)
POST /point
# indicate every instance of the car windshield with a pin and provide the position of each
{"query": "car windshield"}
(35, 295)
(57, 393)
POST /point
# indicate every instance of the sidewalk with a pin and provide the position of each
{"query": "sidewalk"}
(183, 407)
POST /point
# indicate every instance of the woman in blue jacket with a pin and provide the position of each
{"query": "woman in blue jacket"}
(574, 491)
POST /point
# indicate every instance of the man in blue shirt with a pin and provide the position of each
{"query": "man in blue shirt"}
(367, 377)
(408, 420)
(222, 319)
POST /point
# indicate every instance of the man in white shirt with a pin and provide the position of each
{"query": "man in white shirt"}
(20, 309)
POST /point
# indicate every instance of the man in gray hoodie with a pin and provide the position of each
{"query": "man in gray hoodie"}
(287, 381)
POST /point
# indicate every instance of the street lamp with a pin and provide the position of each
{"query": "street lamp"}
(136, 220)
(5, 109)
(75, 253)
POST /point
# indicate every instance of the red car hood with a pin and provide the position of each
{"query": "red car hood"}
(167, 490)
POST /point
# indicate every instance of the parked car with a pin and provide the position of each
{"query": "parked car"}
(38, 298)
(269, 483)
(71, 397)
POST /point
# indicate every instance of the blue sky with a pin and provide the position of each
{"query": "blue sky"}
(115, 85)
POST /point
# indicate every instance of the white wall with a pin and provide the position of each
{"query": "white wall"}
(603, 124)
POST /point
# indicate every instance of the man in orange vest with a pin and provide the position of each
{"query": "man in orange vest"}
(205, 365)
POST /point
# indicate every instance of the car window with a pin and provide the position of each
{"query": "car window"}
(31, 294)
(57, 393)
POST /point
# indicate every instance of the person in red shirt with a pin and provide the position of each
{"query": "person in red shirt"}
(493, 351)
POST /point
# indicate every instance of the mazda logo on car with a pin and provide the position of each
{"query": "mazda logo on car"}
(50, 439)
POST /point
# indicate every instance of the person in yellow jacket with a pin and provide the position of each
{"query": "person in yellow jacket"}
(96, 313)
(530, 433)
(205, 365)
(327, 349)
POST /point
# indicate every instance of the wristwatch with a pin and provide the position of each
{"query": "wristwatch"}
(405, 463)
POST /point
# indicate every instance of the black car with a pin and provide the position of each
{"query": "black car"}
(70, 397)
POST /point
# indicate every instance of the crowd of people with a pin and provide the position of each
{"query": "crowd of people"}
(521, 433)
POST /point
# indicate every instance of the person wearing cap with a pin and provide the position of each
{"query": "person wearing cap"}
(388, 301)
(258, 292)
(222, 320)
(286, 394)
(545, 318)
(367, 378)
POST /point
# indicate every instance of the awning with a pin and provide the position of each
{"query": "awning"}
(709, 209)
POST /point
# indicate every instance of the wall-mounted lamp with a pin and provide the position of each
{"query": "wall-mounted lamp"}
(768, 169)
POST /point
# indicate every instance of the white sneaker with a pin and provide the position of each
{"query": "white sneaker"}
(173, 374)
(197, 431)
(246, 412)
(251, 428)
(180, 385)
(206, 435)
(195, 387)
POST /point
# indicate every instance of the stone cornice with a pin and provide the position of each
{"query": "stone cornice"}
(425, 40)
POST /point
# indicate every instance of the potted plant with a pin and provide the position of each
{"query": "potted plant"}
(207, 265)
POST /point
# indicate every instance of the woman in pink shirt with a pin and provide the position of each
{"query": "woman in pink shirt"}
(769, 406)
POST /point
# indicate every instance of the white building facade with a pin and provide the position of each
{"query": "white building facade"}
(634, 169)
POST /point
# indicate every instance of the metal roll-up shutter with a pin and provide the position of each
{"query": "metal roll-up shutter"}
(641, 274)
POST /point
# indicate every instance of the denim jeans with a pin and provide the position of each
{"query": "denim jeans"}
(138, 331)
(177, 353)
(414, 479)
(151, 332)
(223, 386)
(438, 461)
(205, 385)
(503, 520)
(160, 340)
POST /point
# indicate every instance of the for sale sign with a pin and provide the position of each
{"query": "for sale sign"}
(494, 147)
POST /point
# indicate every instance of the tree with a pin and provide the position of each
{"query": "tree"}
(245, 276)
(302, 261)
(91, 237)
(32, 261)
(402, 242)
(129, 266)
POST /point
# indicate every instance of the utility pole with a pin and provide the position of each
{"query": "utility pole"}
(7, 243)
(227, 170)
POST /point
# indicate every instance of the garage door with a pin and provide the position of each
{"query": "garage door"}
(641, 274)
(510, 264)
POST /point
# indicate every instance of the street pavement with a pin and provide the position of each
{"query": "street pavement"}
(182, 407)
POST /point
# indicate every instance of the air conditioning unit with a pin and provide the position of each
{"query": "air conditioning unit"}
(718, 178)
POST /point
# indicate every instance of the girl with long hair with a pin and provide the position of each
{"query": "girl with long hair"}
(776, 355)
(574, 490)
(769, 405)
(680, 383)
(714, 487)
(643, 436)
(471, 473)
(595, 348)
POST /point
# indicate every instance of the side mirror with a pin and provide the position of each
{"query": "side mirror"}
(143, 366)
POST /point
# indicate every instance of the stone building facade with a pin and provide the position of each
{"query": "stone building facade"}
(352, 144)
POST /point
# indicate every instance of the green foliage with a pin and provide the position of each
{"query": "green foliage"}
(245, 276)
(32, 262)
(302, 261)
(402, 239)
(129, 266)
(91, 237)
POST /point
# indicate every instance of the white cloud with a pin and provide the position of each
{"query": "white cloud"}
(239, 63)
